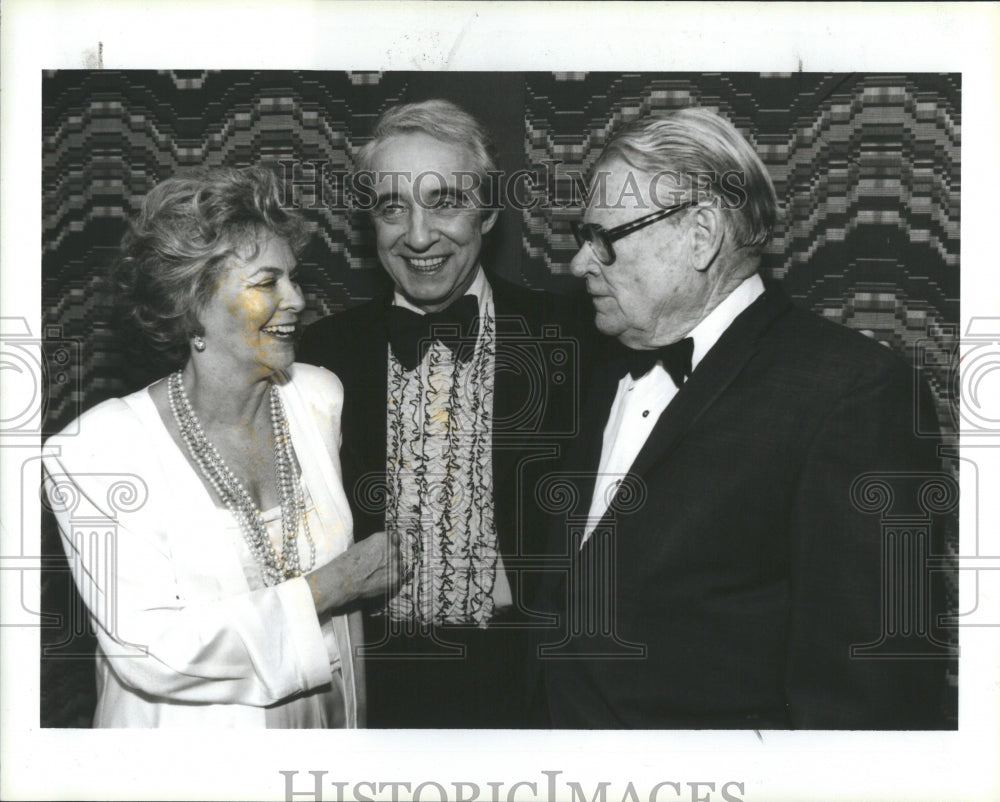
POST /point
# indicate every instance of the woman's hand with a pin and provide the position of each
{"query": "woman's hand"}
(370, 568)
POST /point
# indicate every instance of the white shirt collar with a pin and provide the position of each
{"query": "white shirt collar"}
(709, 330)
(480, 287)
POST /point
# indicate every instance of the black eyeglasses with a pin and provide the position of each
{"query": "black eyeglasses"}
(600, 238)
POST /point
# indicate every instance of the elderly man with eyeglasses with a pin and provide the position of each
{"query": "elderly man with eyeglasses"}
(723, 572)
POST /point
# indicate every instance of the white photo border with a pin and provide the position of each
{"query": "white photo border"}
(150, 764)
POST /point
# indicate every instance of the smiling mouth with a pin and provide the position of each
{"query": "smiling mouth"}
(426, 264)
(285, 331)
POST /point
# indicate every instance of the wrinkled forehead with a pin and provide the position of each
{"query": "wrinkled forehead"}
(266, 251)
(617, 189)
(420, 166)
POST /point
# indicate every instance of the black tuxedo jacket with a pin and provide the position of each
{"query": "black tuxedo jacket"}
(747, 552)
(536, 404)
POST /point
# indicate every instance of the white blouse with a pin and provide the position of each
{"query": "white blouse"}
(187, 634)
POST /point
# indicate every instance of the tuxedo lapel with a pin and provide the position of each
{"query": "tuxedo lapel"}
(720, 366)
(371, 387)
(509, 389)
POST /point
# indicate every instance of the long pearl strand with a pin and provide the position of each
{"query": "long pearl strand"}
(275, 568)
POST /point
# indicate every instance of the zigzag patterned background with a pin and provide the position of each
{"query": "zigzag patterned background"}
(866, 167)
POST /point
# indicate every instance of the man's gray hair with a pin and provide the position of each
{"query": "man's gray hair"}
(440, 119)
(695, 142)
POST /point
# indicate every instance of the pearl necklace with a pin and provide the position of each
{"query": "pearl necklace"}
(274, 568)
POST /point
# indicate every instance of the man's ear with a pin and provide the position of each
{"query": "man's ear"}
(708, 234)
(489, 220)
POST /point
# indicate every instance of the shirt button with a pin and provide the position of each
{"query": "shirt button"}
(645, 413)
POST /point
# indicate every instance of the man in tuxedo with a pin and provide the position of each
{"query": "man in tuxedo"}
(726, 567)
(460, 390)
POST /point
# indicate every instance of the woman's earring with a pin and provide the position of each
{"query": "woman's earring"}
(198, 343)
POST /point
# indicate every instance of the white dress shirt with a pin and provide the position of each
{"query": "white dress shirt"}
(639, 402)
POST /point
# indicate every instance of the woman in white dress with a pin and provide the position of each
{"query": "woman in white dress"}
(225, 594)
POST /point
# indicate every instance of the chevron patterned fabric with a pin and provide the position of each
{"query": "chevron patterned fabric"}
(866, 168)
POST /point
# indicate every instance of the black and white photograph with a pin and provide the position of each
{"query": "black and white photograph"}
(540, 425)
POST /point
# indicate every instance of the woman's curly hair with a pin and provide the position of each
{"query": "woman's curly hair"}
(178, 245)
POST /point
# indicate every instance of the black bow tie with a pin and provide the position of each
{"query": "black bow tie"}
(676, 359)
(411, 334)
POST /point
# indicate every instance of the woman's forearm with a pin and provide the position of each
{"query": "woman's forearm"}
(369, 568)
